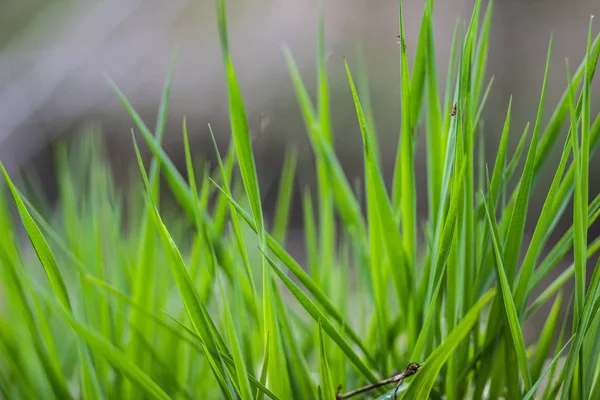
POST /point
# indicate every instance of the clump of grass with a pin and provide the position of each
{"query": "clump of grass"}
(128, 298)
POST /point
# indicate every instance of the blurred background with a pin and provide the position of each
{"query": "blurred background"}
(53, 56)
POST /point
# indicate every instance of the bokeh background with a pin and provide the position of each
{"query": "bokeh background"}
(53, 57)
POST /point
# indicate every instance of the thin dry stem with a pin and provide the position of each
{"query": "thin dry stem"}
(411, 369)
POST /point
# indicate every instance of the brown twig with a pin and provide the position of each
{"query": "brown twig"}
(412, 369)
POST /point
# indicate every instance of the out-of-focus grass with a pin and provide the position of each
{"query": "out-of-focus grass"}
(118, 294)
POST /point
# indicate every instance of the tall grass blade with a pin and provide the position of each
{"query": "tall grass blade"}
(510, 311)
(284, 195)
(517, 222)
(404, 189)
(546, 338)
(40, 245)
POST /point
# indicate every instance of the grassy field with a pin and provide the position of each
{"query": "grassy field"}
(121, 293)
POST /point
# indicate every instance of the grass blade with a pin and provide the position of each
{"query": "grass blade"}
(326, 381)
(317, 315)
(421, 385)
(240, 366)
(404, 190)
(510, 310)
(546, 338)
(40, 245)
(536, 385)
(284, 195)
(517, 222)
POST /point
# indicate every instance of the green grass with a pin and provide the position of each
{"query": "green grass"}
(128, 293)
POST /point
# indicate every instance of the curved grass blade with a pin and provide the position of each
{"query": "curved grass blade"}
(421, 385)
(40, 245)
(517, 222)
(510, 310)
(317, 315)
(536, 385)
(540, 233)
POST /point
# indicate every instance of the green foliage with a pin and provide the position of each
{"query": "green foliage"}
(187, 291)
